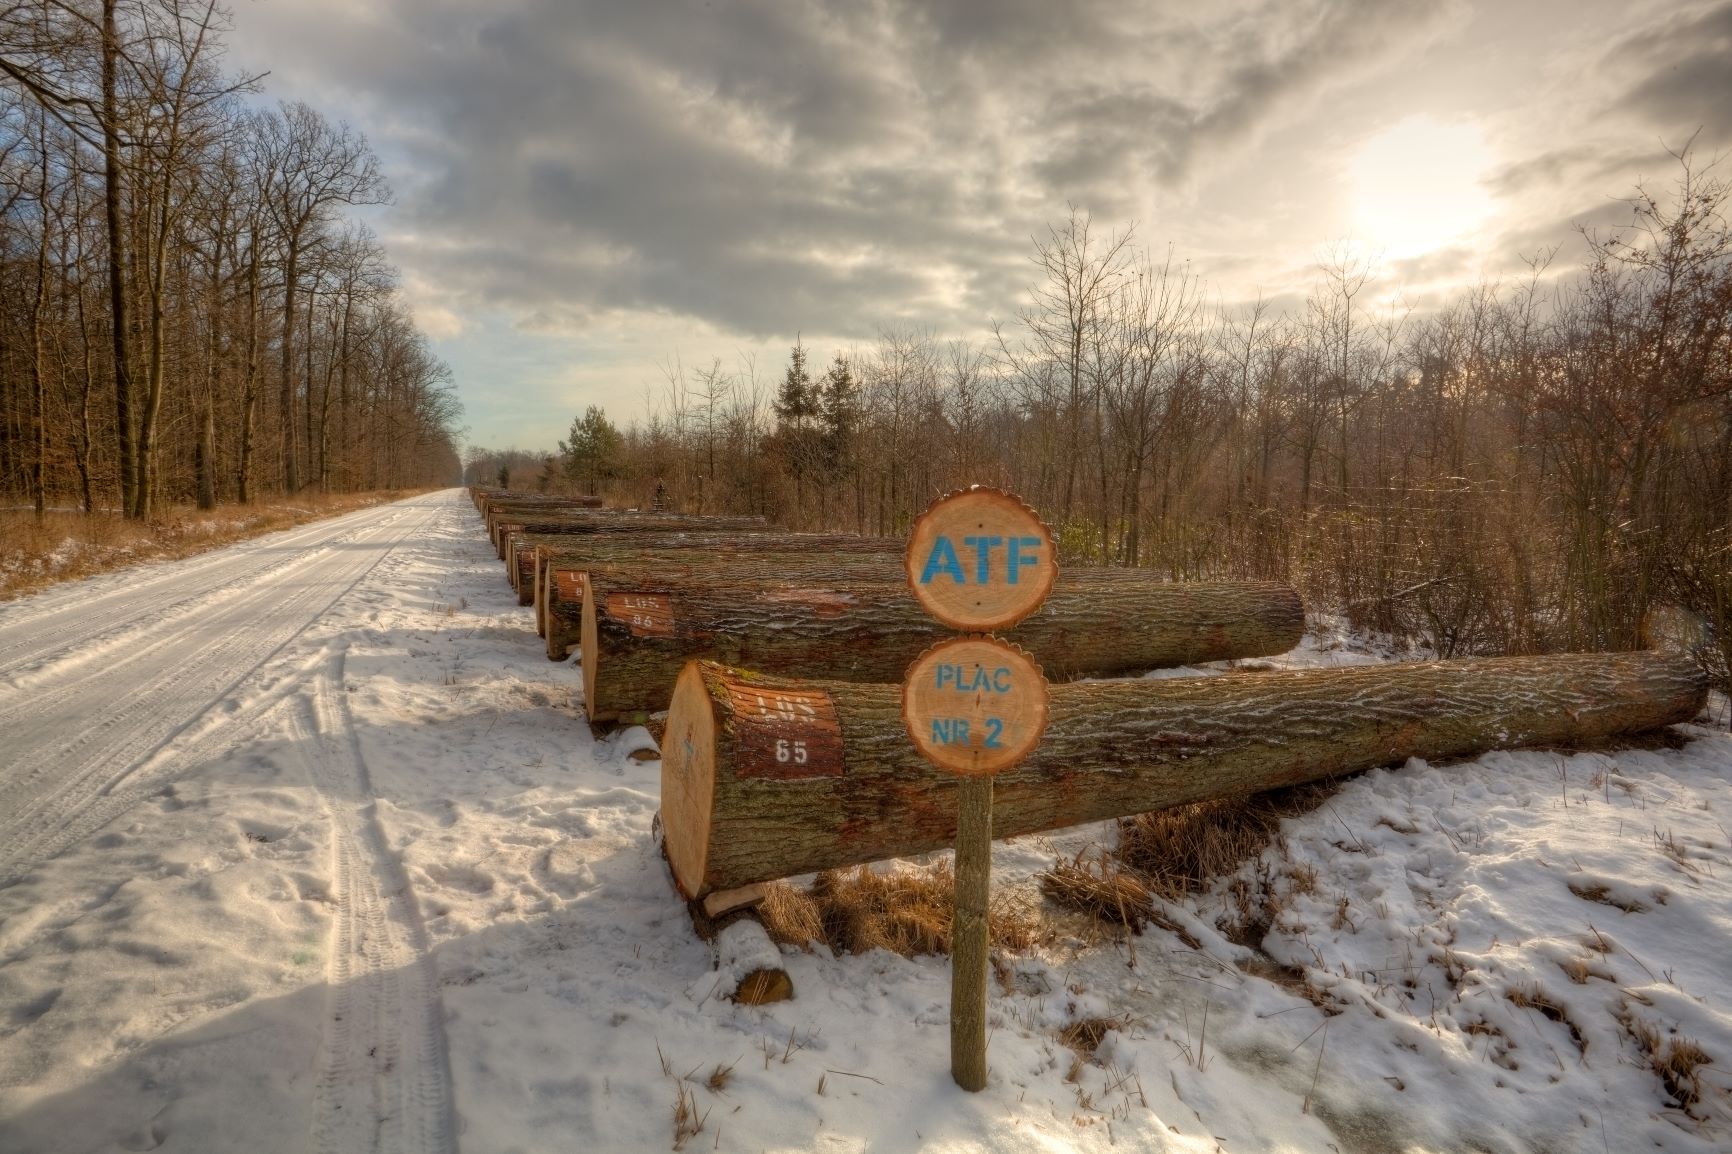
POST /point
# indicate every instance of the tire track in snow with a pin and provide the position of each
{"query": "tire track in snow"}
(68, 763)
(384, 1078)
(77, 619)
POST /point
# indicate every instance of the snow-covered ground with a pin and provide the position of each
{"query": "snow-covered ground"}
(302, 845)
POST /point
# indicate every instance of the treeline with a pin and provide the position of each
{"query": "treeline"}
(1533, 467)
(186, 313)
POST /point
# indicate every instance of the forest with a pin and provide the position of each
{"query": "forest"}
(190, 308)
(1535, 466)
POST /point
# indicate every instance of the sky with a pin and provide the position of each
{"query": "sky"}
(586, 191)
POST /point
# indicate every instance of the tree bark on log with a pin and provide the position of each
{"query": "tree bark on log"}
(486, 499)
(530, 550)
(852, 619)
(519, 541)
(766, 778)
(579, 526)
(671, 552)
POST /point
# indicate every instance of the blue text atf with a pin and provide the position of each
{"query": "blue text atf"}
(944, 559)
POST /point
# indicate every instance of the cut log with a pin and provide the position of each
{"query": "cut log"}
(533, 550)
(519, 541)
(765, 778)
(748, 964)
(855, 620)
(486, 499)
(581, 526)
(663, 553)
(519, 511)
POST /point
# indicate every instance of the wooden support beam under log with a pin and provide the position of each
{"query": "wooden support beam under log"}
(855, 621)
(766, 778)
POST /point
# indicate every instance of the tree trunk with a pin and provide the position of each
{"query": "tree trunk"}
(38, 380)
(112, 174)
(250, 387)
(735, 813)
(853, 619)
(85, 438)
(204, 456)
(578, 523)
(156, 262)
(524, 549)
(554, 572)
(291, 472)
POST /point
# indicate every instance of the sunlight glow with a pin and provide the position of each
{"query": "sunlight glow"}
(1416, 187)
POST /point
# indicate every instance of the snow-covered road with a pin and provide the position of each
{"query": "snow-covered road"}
(100, 681)
(303, 846)
(112, 693)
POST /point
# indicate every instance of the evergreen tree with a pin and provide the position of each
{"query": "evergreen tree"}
(839, 408)
(797, 399)
(592, 452)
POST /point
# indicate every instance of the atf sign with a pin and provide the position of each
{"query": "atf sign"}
(980, 560)
(974, 705)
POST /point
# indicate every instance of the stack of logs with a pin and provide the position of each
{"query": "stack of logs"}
(804, 764)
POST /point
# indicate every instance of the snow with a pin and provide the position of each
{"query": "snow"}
(303, 844)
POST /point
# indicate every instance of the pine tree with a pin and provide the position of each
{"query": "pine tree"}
(593, 448)
(797, 399)
(839, 409)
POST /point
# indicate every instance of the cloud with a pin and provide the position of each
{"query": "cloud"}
(1683, 67)
(772, 166)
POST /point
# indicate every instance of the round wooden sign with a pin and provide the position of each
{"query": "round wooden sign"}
(980, 559)
(974, 705)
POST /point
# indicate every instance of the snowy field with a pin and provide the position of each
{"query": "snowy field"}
(303, 846)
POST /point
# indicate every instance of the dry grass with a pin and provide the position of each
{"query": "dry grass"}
(1595, 892)
(790, 916)
(1579, 969)
(69, 546)
(1179, 851)
(1676, 1060)
(905, 910)
(1104, 893)
(1534, 997)
(1086, 1034)
(688, 1123)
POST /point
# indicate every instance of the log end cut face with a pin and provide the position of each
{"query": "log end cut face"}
(688, 780)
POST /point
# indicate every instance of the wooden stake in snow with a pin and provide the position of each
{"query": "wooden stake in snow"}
(979, 559)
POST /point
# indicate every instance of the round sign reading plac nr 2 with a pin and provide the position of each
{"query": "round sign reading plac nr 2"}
(979, 559)
(974, 705)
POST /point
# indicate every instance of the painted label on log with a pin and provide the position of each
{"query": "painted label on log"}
(569, 582)
(980, 559)
(645, 614)
(784, 734)
(974, 705)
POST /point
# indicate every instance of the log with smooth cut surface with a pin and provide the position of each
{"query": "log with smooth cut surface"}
(858, 623)
(766, 778)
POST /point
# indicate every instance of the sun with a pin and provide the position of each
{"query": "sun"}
(1418, 186)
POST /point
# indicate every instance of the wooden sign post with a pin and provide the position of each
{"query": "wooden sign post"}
(975, 705)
